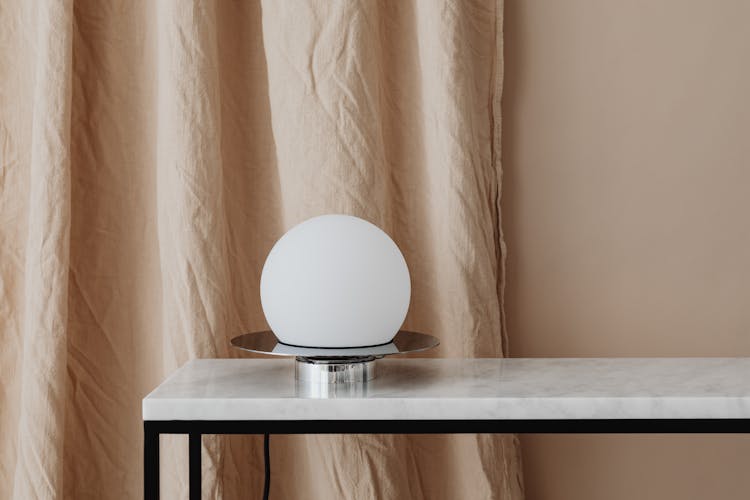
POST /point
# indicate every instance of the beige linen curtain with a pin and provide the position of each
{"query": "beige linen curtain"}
(151, 152)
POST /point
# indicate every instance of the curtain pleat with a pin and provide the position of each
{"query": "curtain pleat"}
(190, 193)
(43, 260)
(153, 152)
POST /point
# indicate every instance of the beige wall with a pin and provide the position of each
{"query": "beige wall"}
(627, 216)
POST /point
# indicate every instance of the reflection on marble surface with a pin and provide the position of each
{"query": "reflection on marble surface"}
(238, 389)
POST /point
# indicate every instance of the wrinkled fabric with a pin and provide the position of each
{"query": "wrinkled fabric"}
(150, 155)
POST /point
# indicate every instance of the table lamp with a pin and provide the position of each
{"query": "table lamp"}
(335, 289)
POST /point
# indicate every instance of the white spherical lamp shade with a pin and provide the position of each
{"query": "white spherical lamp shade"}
(335, 281)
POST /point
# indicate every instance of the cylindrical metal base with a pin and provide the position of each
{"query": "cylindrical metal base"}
(333, 379)
(335, 372)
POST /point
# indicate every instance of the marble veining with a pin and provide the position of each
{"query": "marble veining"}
(514, 388)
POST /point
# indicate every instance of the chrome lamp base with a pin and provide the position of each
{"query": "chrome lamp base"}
(334, 371)
(333, 378)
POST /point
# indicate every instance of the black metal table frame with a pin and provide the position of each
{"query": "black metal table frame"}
(196, 428)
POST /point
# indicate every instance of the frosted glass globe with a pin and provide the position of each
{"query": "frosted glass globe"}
(335, 281)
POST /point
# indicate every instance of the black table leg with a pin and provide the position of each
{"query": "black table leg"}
(150, 462)
(195, 466)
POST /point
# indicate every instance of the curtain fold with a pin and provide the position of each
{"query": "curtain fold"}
(152, 152)
(36, 285)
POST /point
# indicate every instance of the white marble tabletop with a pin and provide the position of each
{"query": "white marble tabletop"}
(463, 389)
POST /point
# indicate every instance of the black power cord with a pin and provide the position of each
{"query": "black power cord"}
(267, 460)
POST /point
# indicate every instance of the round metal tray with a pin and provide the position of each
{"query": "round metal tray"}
(266, 343)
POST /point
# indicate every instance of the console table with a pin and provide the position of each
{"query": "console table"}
(412, 396)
